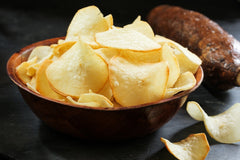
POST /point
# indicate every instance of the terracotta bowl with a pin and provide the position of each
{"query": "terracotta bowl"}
(98, 124)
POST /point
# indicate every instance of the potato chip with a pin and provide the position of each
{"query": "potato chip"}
(137, 83)
(22, 70)
(223, 127)
(174, 69)
(122, 38)
(194, 147)
(142, 27)
(42, 84)
(78, 70)
(185, 81)
(92, 100)
(85, 24)
(186, 59)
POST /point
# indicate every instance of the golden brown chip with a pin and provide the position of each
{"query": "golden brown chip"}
(85, 24)
(78, 70)
(141, 57)
(194, 147)
(174, 69)
(92, 100)
(137, 83)
(22, 70)
(186, 59)
(122, 38)
(107, 53)
(185, 82)
(42, 84)
(142, 27)
(109, 19)
(59, 49)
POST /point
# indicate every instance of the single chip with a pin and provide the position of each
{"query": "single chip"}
(142, 27)
(141, 57)
(223, 127)
(31, 69)
(109, 19)
(194, 147)
(78, 70)
(85, 24)
(42, 84)
(187, 60)
(41, 52)
(106, 90)
(137, 83)
(22, 70)
(174, 69)
(107, 53)
(122, 38)
(61, 48)
(32, 84)
(185, 82)
(92, 100)
(161, 39)
(89, 104)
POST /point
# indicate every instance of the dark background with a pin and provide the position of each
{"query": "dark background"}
(24, 137)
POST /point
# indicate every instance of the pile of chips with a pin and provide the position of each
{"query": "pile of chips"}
(102, 65)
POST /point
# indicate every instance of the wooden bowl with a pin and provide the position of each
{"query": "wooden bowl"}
(96, 123)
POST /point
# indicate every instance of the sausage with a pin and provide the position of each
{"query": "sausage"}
(218, 50)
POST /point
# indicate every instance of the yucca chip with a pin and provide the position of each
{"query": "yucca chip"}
(174, 69)
(137, 83)
(85, 24)
(185, 82)
(194, 147)
(141, 57)
(109, 19)
(92, 100)
(107, 53)
(106, 90)
(61, 48)
(42, 84)
(187, 60)
(31, 69)
(122, 38)
(78, 70)
(223, 127)
(32, 84)
(41, 52)
(142, 27)
(22, 70)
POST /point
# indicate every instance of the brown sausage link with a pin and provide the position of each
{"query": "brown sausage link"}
(219, 51)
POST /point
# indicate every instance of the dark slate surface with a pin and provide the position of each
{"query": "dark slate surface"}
(24, 137)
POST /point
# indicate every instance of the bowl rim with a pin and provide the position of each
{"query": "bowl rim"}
(11, 71)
